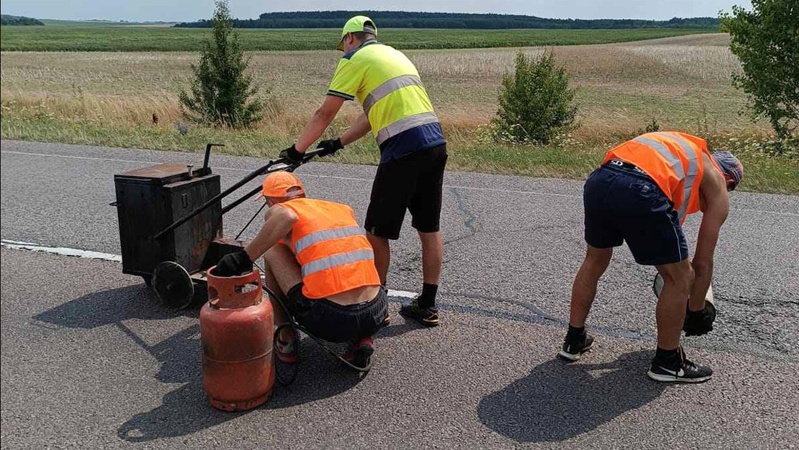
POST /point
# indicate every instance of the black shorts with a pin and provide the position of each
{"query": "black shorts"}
(336, 323)
(624, 204)
(413, 182)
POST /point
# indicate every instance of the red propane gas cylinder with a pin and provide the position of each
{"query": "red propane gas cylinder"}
(236, 329)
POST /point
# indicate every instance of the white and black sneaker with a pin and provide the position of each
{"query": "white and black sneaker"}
(679, 370)
(575, 346)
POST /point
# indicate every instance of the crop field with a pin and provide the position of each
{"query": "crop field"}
(132, 38)
(109, 98)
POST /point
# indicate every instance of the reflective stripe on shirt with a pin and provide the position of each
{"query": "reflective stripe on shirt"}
(389, 87)
(405, 124)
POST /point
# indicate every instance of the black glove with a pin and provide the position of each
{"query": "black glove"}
(700, 322)
(329, 147)
(233, 264)
(292, 154)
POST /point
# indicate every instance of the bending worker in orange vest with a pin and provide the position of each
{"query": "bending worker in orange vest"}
(318, 258)
(642, 194)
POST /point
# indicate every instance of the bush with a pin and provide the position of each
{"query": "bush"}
(535, 103)
(766, 41)
(651, 127)
(221, 91)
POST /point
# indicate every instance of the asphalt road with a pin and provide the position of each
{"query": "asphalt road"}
(89, 360)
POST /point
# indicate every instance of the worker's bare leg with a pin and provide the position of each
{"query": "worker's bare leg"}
(282, 272)
(584, 288)
(678, 279)
(382, 252)
(432, 256)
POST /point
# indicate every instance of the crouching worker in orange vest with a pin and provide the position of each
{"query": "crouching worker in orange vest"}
(319, 260)
(642, 194)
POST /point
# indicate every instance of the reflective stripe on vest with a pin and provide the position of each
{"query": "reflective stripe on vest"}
(388, 87)
(405, 124)
(675, 163)
(324, 235)
(331, 249)
(664, 151)
(336, 260)
(693, 170)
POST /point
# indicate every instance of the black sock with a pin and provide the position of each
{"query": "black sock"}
(667, 355)
(428, 297)
(574, 331)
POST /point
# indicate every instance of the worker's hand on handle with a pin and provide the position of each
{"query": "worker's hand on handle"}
(699, 322)
(292, 155)
(233, 264)
(329, 147)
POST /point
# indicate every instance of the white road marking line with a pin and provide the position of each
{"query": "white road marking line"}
(313, 175)
(403, 294)
(138, 161)
(60, 250)
(18, 245)
(88, 158)
(332, 177)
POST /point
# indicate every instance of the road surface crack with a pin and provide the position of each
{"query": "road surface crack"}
(471, 218)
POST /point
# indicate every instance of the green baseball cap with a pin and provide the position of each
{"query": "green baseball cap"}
(355, 25)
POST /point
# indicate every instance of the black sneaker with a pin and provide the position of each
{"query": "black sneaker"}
(575, 346)
(425, 316)
(679, 370)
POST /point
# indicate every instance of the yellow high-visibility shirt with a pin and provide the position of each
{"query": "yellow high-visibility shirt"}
(387, 85)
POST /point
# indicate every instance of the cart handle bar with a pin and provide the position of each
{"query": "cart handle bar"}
(271, 166)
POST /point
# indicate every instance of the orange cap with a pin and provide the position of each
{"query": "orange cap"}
(277, 184)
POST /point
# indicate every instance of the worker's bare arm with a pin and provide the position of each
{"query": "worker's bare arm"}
(715, 208)
(357, 130)
(321, 119)
(278, 221)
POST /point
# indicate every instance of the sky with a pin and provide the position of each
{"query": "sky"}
(189, 10)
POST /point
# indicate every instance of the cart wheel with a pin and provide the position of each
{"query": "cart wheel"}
(173, 285)
(148, 280)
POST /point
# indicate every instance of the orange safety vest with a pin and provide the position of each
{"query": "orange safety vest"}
(331, 248)
(673, 160)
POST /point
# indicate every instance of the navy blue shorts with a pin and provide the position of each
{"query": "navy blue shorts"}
(338, 323)
(624, 204)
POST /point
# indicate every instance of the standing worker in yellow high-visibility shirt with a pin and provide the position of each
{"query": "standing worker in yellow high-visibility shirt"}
(412, 150)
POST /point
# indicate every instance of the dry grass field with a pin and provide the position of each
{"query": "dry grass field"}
(110, 98)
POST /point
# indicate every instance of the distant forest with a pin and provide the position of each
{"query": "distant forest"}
(399, 19)
(19, 20)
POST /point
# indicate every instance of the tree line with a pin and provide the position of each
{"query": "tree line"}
(19, 20)
(400, 19)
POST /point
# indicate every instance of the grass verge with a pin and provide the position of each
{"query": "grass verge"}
(764, 173)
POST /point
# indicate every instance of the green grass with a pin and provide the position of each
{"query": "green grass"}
(131, 38)
(773, 174)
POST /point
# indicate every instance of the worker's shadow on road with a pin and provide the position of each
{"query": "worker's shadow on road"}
(559, 401)
(186, 410)
(111, 307)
